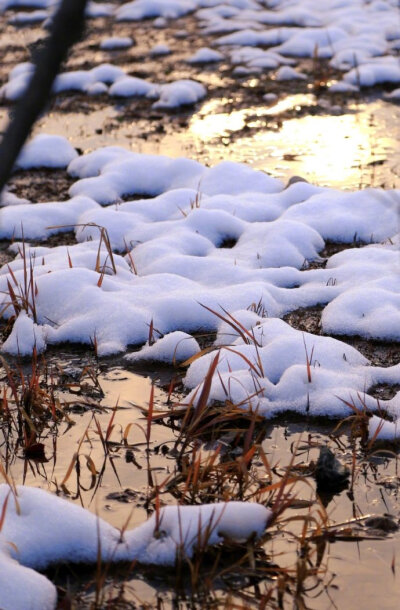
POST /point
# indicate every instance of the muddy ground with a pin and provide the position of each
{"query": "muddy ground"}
(299, 134)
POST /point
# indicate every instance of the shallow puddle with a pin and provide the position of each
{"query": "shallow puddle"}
(375, 492)
(214, 121)
(124, 467)
(118, 484)
(332, 151)
(351, 147)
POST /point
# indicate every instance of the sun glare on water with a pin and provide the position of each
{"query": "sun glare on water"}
(329, 149)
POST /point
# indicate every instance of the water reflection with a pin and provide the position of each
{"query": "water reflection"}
(215, 121)
(75, 460)
(350, 147)
(353, 150)
(329, 150)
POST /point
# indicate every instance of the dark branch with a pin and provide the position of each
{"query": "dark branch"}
(67, 28)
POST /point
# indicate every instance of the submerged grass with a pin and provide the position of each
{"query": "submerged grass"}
(214, 452)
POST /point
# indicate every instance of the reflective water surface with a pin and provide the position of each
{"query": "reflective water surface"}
(344, 147)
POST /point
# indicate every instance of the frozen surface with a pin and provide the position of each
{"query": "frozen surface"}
(42, 529)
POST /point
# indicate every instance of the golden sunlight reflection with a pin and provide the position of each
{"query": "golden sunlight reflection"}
(290, 102)
(327, 150)
(354, 149)
(212, 123)
(349, 150)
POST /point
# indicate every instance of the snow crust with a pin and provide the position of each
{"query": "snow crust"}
(41, 529)
(160, 49)
(26, 335)
(172, 348)
(290, 371)
(22, 588)
(25, 18)
(46, 151)
(205, 56)
(33, 222)
(359, 39)
(116, 42)
(288, 73)
(142, 9)
(356, 38)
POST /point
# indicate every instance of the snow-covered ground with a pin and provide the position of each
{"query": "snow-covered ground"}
(359, 39)
(41, 529)
(112, 80)
(170, 260)
(202, 242)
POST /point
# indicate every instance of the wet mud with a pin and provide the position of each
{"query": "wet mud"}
(41, 185)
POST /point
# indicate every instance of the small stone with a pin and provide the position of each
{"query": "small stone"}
(295, 179)
(385, 523)
(330, 474)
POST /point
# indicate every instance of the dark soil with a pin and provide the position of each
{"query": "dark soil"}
(384, 391)
(307, 319)
(332, 247)
(380, 353)
(40, 185)
(5, 255)
(59, 239)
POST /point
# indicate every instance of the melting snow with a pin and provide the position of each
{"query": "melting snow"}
(110, 79)
(357, 38)
(42, 529)
(222, 237)
(226, 236)
(290, 371)
(46, 151)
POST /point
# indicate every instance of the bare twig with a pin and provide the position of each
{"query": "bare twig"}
(66, 29)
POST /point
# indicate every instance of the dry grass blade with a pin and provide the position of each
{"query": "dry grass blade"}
(4, 510)
(199, 354)
(104, 239)
(202, 400)
(69, 469)
(110, 425)
(13, 489)
(150, 417)
(308, 359)
(259, 372)
(233, 323)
